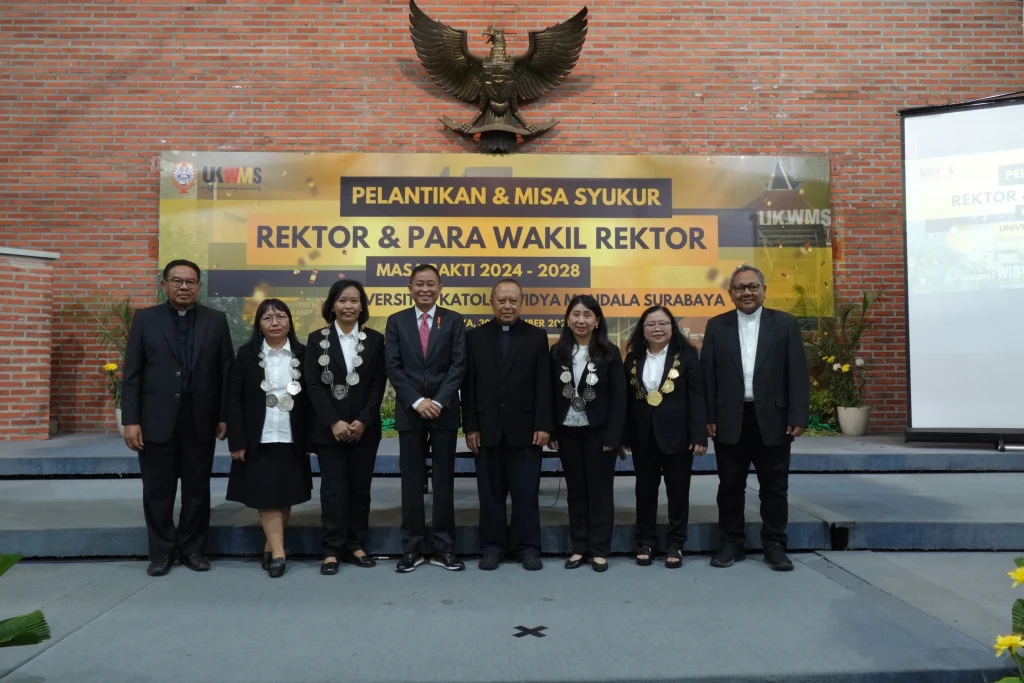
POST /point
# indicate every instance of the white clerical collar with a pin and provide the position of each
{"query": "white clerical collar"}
(432, 313)
(268, 349)
(750, 317)
(659, 354)
(341, 335)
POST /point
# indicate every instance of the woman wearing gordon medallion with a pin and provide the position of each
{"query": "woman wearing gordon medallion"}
(589, 407)
(665, 428)
(344, 370)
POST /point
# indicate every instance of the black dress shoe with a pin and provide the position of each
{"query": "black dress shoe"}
(265, 560)
(328, 568)
(599, 566)
(409, 562)
(160, 566)
(490, 562)
(196, 562)
(364, 561)
(277, 567)
(776, 559)
(447, 561)
(727, 556)
(575, 564)
(532, 563)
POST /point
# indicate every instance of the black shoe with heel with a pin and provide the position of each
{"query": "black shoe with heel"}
(329, 568)
(277, 567)
(649, 552)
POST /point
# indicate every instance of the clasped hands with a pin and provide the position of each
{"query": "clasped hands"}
(428, 410)
(348, 431)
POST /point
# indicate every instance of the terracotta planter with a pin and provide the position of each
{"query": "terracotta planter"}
(853, 421)
(120, 427)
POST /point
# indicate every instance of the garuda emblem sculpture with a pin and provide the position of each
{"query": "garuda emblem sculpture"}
(498, 83)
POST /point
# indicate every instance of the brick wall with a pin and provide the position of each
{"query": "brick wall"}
(26, 317)
(98, 89)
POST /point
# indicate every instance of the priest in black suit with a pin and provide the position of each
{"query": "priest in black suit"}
(758, 395)
(425, 351)
(506, 415)
(173, 404)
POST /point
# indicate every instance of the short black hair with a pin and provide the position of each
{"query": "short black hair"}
(182, 262)
(677, 343)
(507, 281)
(423, 267)
(336, 289)
(256, 341)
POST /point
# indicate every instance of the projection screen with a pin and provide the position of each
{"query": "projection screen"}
(963, 177)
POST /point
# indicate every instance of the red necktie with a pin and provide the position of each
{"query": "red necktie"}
(424, 334)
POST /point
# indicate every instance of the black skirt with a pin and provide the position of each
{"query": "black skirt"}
(277, 477)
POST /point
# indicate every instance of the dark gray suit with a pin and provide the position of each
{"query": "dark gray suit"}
(755, 431)
(178, 401)
(437, 376)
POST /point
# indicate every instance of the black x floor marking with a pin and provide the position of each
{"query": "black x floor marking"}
(536, 631)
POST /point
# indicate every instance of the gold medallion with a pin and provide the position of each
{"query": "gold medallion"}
(668, 386)
(654, 398)
(673, 374)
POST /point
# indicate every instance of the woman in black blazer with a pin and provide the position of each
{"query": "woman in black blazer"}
(268, 414)
(665, 428)
(589, 407)
(345, 378)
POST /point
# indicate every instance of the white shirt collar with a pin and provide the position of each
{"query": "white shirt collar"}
(268, 349)
(342, 335)
(750, 317)
(584, 350)
(659, 354)
(430, 314)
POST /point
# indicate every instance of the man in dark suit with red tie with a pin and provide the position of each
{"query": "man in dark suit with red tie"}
(425, 352)
(506, 414)
(758, 395)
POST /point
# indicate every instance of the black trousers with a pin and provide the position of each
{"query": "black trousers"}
(650, 466)
(501, 471)
(414, 446)
(590, 483)
(772, 466)
(190, 459)
(346, 472)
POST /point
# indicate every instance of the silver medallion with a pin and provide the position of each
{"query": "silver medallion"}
(266, 385)
(360, 348)
(286, 403)
(263, 364)
(295, 362)
(352, 379)
(293, 388)
(271, 400)
(326, 331)
(324, 361)
(326, 376)
(324, 344)
(578, 404)
(591, 367)
(566, 377)
(296, 374)
(588, 394)
(339, 391)
(362, 336)
(591, 379)
(568, 392)
(357, 361)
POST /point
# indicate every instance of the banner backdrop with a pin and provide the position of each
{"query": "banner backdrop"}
(631, 230)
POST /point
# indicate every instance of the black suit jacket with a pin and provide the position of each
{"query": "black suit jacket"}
(608, 409)
(363, 400)
(511, 398)
(781, 384)
(438, 376)
(247, 410)
(151, 385)
(681, 418)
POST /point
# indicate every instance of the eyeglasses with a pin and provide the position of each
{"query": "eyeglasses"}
(657, 324)
(753, 288)
(176, 283)
(279, 317)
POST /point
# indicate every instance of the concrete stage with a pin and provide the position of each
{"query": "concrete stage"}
(106, 455)
(838, 618)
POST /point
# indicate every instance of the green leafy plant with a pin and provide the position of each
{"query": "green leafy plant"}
(1015, 641)
(28, 629)
(111, 318)
(823, 410)
(833, 347)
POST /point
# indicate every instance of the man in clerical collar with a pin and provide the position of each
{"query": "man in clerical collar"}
(758, 398)
(173, 410)
(506, 415)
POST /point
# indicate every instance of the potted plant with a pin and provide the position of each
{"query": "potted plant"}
(833, 351)
(112, 320)
(1015, 640)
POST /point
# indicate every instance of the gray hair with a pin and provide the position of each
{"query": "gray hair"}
(746, 268)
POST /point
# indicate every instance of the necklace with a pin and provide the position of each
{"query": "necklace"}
(339, 391)
(285, 403)
(579, 400)
(655, 397)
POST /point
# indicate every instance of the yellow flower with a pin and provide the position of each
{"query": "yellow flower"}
(1017, 575)
(846, 368)
(110, 367)
(831, 359)
(1011, 643)
(815, 383)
